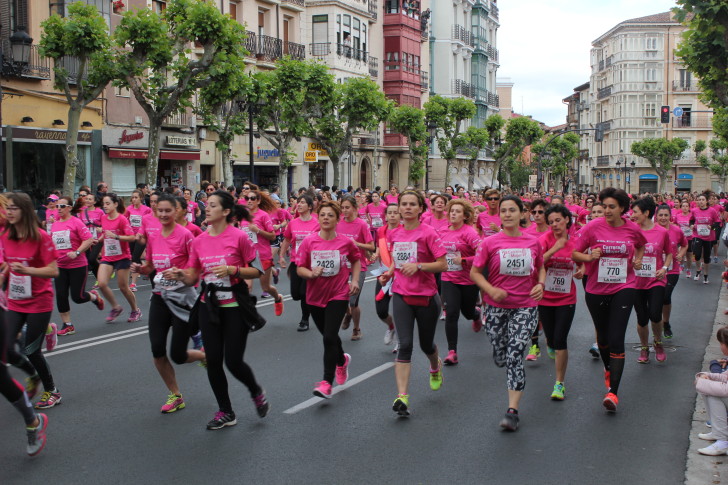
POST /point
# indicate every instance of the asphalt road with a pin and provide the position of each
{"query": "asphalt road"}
(108, 428)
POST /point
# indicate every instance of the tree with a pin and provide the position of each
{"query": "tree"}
(477, 139)
(80, 40)
(556, 154)
(410, 122)
(717, 163)
(448, 115)
(520, 132)
(704, 49)
(660, 154)
(344, 109)
(291, 95)
(154, 59)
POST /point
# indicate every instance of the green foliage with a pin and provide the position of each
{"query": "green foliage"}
(557, 153)
(410, 122)
(660, 154)
(520, 133)
(448, 115)
(517, 172)
(720, 122)
(704, 48)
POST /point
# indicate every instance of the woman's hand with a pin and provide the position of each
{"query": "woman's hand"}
(408, 269)
(596, 253)
(537, 292)
(498, 294)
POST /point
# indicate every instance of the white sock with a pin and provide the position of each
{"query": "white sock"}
(92, 296)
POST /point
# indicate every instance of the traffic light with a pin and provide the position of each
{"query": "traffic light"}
(665, 114)
(599, 133)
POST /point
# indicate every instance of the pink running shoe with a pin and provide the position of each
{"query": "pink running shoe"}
(322, 389)
(114, 314)
(135, 315)
(477, 325)
(99, 302)
(660, 355)
(451, 359)
(51, 336)
(342, 371)
(644, 357)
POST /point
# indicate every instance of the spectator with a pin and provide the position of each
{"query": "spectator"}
(101, 189)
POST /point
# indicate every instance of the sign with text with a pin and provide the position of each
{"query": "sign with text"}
(310, 156)
(181, 141)
(319, 148)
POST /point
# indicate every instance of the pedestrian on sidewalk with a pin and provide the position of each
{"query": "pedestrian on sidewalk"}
(714, 389)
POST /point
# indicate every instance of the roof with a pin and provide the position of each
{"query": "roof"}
(658, 18)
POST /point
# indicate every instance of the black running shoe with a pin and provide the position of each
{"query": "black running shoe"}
(221, 420)
(667, 330)
(302, 325)
(261, 404)
(509, 422)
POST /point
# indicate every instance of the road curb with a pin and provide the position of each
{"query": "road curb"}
(700, 469)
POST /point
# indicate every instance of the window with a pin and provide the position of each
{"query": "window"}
(159, 6)
(122, 92)
(685, 78)
(234, 10)
(650, 75)
(320, 35)
(650, 110)
(651, 44)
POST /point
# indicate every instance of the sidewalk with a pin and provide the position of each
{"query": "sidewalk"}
(700, 469)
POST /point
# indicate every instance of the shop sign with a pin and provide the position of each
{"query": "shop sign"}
(310, 156)
(130, 137)
(48, 135)
(265, 154)
(181, 141)
(319, 148)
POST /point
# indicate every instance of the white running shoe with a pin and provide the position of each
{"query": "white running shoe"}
(389, 336)
(716, 449)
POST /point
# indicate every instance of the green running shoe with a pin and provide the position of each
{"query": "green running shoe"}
(533, 353)
(551, 352)
(559, 390)
(401, 405)
(436, 377)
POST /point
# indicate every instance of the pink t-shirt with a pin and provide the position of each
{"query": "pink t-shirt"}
(559, 286)
(278, 217)
(683, 223)
(335, 256)
(462, 243)
(191, 210)
(438, 225)
(377, 214)
(363, 214)
(136, 216)
(51, 217)
(297, 230)
(533, 230)
(25, 293)
(232, 247)
(513, 264)
(419, 245)
(92, 220)
(484, 220)
(115, 249)
(358, 231)
(392, 199)
(192, 229)
(150, 226)
(613, 271)
(703, 219)
(67, 236)
(169, 252)
(677, 240)
(658, 245)
(262, 245)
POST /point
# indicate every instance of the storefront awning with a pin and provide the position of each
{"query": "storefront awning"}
(164, 154)
(684, 176)
(648, 176)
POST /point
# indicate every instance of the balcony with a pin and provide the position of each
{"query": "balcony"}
(604, 92)
(603, 161)
(296, 51)
(494, 10)
(609, 61)
(601, 66)
(351, 52)
(492, 53)
(71, 64)
(269, 48)
(424, 81)
(684, 86)
(297, 3)
(373, 66)
(37, 68)
(461, 34)
(394, 16)
(373, 8)
(178, 120)
(251, 43)
(693, 122)
(320, 49)
(400, 71)
(462, 88)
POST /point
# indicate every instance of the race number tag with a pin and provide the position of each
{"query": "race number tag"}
(377, 221)
(135, 220)
(112, 247)
(687, 232)
(612, 270)
(49, 227)
(62, 239)
(212, 279)
(160, 283)
(330, 261)
(649, 270)
(19, 287)
(450, 258)
(558, 280)
(404, 252)
(251, 235)
(702, 229)
(515, 262)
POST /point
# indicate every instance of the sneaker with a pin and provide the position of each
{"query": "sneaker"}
(533, 353)
(31, 385)
(667, 330)
(197, 342)
(708, 436)
(716, 449)
(276, 274)
(477, 325)
(551, 352)
(135, 315)
(322, 389)
(261, 404)
(688, 274)
(302, 326)
(705, 280)
(510, 422)
(278, 306)
(395, 349)
(607, 377)
(66, 330)
(442, 317)
(114, 314)
(401, 405)
(610, 402)
(51, 336)
(221, 420)
(558, 393)
(174, 403)
(48, 399)
(697, 276)
(715, 259)
(346, 322)
(37, 435)
(436, 377)
(265, 294)
(99, 302)
(660, 355)
(644, 355)
(594, 351)
(451, 359)
(133, 287)
(95, 286)
(389, 336)
(342, 371)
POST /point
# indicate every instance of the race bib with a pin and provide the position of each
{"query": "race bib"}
(112, 247)
(404, 252)
(251, 235)
(212, 279)
(49, 227)
(612, 270)
(300, 238)
(702, 229)
(649, 269)
(377, 221)
(19, 287)
(515, 262)
(62, 239)
(160, 283)
(330, 261)
(135, 220)
(558, 280)
(687, 232)
(450, 258)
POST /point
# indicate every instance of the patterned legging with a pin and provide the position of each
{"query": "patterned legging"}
(510, 331)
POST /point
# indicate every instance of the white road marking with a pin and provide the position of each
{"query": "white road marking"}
(92, 344)
(108, 335)
(352, 382)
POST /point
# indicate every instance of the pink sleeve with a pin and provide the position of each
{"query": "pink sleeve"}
(83, 230)
(125, 227)
(539, 257)
(267, 223)
(583, 238)
(303, 255)
(435, 244)
(354, 253)
(481, 257)
(287, 233)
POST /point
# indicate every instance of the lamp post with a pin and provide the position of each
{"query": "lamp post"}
(252, 108)
(630, 171)
(432, 131)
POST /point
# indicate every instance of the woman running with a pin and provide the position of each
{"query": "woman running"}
(459, 293)
(514, 285)
(86, 209)
(170, 248)
(539, 227)
(180, 217)
(222, 257)
(30, 262)
(437, 217)
(295, 233)
(678, 246)
(417, 253)
(616, 247)
(703, 218)
(376, 211)
(325, 260)
(489, 221)
(682, 220)
(280, 219)
(115, 256)
(135, 213)
(383, 295)
(358, 231)
(72, 239)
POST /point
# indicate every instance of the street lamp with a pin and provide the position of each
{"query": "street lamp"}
(252, 108)
(432, 132)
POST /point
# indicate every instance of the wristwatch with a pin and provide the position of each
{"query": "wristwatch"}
(78, 253)
(419, 266)
(665, 268)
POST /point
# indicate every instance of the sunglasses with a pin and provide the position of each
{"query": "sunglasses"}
(62, 206)
(537, 212)
(51, 200)
(246, 188)
(492, 198)
(253, 197)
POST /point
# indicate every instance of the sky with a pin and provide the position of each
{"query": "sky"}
(545, 53)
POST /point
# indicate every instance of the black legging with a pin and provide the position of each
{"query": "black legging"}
(648, 305)
(672, 280)
(75, 279)
(458, 299)
(556, 322)
(611, 318)
(37, 323)
(298, 290)
(137, 249)
(93, 258)
(382, 306)
(225, 341)
(404, 321)
(160, 321)
(701, 250)
(12, 391)
(328, 321)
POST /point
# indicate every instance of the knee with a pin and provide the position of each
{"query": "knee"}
(331, 340)
(158, 351)
(78, 299)
(179, 356)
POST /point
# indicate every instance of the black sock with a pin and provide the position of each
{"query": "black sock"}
(616, 366)
(26, 409)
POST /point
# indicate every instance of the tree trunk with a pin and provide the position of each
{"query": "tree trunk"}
(472, 169)
(227, 168)
(448, 166)
(155, 129)
(69, 174)
(663, 178)
(337, 169)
